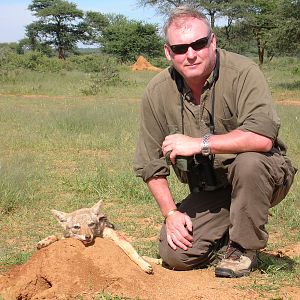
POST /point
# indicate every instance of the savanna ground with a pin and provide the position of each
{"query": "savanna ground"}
(61, 149)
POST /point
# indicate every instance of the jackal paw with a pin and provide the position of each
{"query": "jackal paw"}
(147, 268)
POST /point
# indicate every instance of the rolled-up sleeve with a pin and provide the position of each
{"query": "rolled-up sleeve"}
(148, 159)
(255, 111)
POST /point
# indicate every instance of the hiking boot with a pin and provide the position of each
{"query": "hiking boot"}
(237, 262)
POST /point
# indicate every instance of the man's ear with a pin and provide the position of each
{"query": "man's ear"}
(60, 216)
(214, 41)
(168, 52)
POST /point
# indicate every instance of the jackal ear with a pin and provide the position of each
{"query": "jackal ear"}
(96, 208)
(60, 216)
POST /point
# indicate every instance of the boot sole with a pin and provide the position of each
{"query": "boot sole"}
(227, 273)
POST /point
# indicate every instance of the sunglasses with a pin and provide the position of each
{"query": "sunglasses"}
(197, 45)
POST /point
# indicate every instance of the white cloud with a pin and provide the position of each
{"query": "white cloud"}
(13, 19)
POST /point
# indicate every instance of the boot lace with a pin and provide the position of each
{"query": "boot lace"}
(234, 251)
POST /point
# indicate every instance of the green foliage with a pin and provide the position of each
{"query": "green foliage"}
(59, 24)
(93, 63)
(104, 71)
(106, 296)
(260, 27)
(160, 62)
(285, 40)
(27, 44)
(128, 39)
(36, 61)
(9, 65)
(31, 60)
(95, 22)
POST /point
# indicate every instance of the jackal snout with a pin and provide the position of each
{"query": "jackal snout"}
(85, 234)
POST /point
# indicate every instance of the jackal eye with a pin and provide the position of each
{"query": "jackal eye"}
(92, 224)
(77, 227)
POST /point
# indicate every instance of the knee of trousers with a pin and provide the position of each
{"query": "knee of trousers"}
(248, 167)
(183, 260)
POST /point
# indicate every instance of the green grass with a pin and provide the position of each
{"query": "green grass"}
(283, 75)
(64, 150)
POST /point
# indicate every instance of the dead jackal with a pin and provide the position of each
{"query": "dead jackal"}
(86, 224)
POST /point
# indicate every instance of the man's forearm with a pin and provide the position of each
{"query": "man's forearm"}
(236, 141)
(160, 190)
(239, 141)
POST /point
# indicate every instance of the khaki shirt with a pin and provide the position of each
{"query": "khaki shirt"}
(242, 101)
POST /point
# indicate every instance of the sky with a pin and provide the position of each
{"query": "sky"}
(14, 15)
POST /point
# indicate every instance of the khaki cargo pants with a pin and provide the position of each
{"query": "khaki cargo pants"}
(258, 181)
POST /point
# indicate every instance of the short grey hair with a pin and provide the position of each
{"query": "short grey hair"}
(184, 11)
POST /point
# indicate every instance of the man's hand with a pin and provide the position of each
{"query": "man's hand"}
(179, 227)
(180, 144)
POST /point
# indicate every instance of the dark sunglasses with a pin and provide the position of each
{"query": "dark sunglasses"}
(197, 45)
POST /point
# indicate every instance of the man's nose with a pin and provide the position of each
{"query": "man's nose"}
(191, 52)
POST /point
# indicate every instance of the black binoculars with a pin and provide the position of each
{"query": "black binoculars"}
(201, 175)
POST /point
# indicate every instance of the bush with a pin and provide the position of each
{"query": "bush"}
(160, 62)
(104, 72)
(31, 60)
(36, 61)
(93, 63)
(8, 60)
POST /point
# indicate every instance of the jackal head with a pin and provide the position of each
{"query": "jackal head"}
(83, 224)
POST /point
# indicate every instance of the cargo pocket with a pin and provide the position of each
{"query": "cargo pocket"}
(283, 186)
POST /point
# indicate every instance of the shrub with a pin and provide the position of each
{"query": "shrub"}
(93, 63)
(104, 71)
(36, 61)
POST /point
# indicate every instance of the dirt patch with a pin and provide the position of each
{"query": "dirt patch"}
(288, 102)
(67, 269)
(142, 64)
(290, 251)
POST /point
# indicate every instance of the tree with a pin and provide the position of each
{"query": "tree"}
(32, 42)
(128, 39)
(260, 19)
(212, 8)
(274, 25)
(95, 23)
(164, 6)
(287, 35)
(60, 24)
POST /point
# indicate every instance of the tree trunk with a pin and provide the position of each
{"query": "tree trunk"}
(61, 53)
(212, 19)
(260, 51)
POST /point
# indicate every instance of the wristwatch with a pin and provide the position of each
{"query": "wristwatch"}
(205, 148)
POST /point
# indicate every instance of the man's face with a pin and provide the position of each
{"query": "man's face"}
(194, 65)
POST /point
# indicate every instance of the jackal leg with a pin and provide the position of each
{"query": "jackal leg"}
(48, 241)
(152, 260)
(128, 249)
